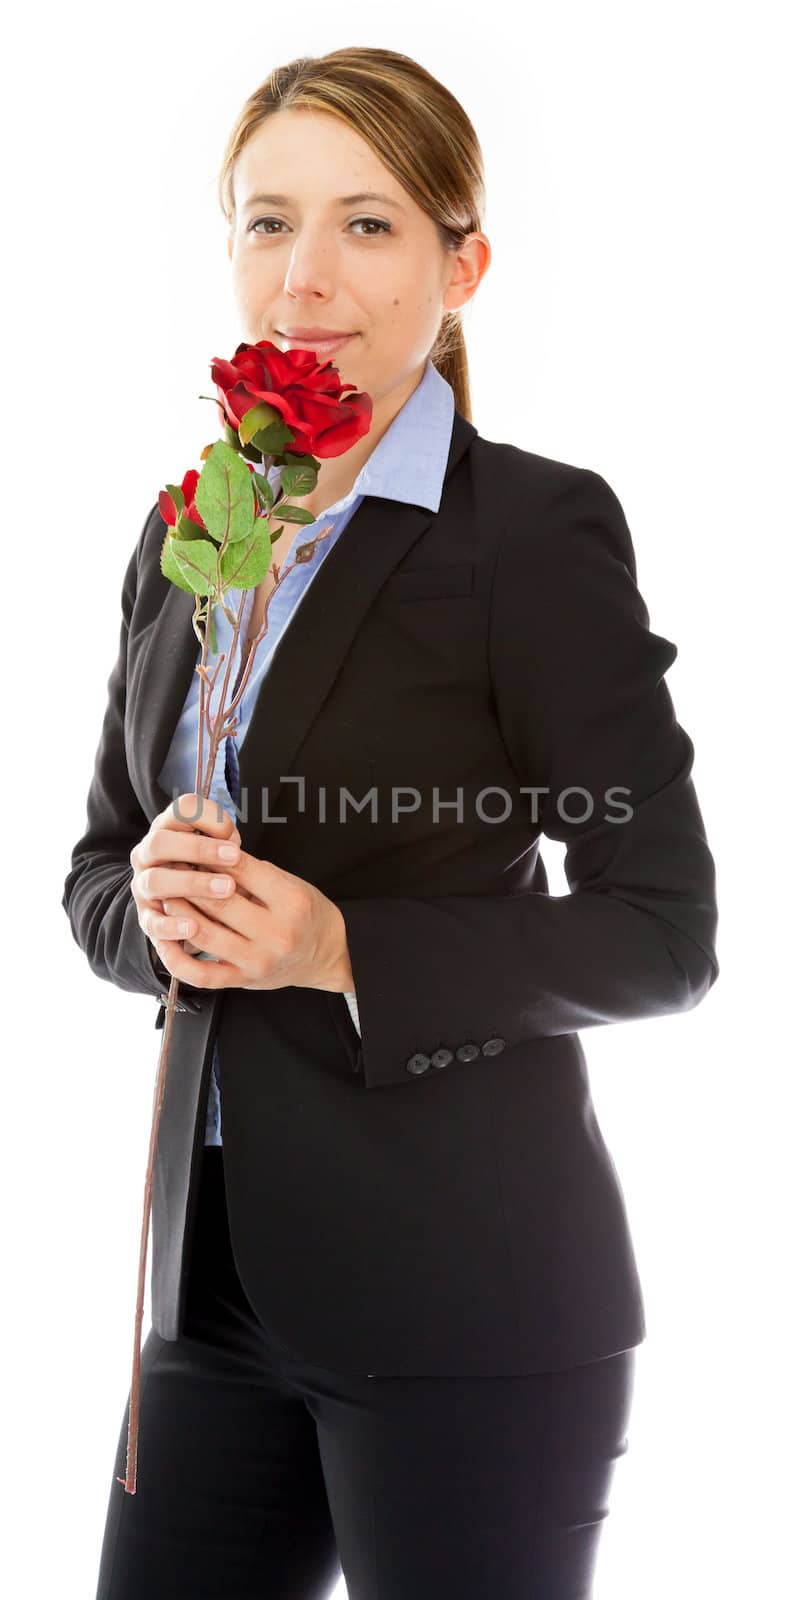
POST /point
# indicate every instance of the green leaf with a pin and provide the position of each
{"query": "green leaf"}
(263, 490)
(300, 479)
(247, 562)
(291, 513)
(191, 564)
(176, 492)
(168, 565)
(258, 416)
(224, 496)
(270, 441)
(212, 632)
(251, 453)
(188, 529)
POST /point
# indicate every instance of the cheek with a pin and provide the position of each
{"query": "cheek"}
(252, 277)
(248, 275)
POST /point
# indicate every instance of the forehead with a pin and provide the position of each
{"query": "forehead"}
(302, 155)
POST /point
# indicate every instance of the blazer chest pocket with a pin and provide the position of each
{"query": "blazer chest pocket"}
(430, 583)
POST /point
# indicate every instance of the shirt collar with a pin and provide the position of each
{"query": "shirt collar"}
(409, 463)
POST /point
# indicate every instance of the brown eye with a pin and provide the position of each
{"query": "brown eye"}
(373, 222)
(384, 227)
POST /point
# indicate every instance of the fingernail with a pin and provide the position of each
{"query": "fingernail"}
(227, 852)
(219, 885)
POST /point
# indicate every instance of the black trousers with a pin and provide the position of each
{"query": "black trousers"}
(261, 1477)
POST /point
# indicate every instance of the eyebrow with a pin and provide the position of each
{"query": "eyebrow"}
(343, 200)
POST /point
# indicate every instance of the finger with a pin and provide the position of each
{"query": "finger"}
(155, 883)
(190, 850)
(173, 920)
(219, 974)
(226, 939)
(235, 916)
(196, 811)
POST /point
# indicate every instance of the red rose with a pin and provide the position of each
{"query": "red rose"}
(168, 509)
(307, 393)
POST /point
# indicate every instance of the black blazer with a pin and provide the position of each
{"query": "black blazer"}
(438, 1198)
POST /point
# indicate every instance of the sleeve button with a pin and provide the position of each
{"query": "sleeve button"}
(417, 1063)
(441, 1058)
(467, 1052)
(493, 1047)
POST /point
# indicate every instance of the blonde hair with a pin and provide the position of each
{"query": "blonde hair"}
(420, 133)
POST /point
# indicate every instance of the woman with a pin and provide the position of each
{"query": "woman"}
(395, 1301)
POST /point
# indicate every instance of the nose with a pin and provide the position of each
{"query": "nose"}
(310, 268)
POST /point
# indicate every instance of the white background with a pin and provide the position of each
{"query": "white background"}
(638, 318)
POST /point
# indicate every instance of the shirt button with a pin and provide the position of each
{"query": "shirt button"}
(441, 1058)
(493, 1047)
(467, 1052)
(417, 1063)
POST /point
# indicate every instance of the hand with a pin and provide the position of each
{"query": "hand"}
(268, 930)
(191, 828)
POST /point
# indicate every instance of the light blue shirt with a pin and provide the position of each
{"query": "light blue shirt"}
(408, 464)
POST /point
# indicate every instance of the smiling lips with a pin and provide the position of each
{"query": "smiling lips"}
(320, 340)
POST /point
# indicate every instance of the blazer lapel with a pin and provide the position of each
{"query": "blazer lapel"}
(305, 662)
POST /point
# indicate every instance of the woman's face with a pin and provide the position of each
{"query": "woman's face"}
(305, 257)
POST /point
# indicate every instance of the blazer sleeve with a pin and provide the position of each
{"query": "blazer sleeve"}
(577, 678)
(97, 899)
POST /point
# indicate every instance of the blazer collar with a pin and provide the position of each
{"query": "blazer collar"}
(304, 665)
